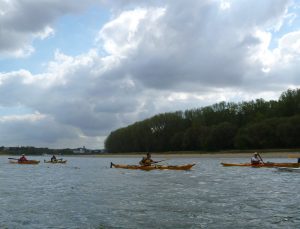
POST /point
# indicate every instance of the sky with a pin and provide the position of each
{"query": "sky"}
(73, 71)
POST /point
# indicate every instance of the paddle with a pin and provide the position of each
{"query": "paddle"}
(158, 161)
(260, 158)
(13, 159)
(154, 162)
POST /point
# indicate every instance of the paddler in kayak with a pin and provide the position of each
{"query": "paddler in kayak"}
(147, 161)
(256, 159)
(22, 158)
(53, 159)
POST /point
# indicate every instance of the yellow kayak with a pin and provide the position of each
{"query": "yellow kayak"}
(56, 162)
(153, 167)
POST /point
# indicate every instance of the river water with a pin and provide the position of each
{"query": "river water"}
(86, 193)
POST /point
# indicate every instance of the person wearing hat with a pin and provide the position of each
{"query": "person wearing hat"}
(147, 161)
(255, 160)
(23, 158)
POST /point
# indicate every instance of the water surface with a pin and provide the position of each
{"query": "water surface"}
(86, 193)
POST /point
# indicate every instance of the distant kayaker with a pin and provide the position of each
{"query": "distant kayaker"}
(255, 160)
(147, 161)
(53, 159)
(22, 158)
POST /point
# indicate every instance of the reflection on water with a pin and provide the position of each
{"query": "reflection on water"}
(86, 193)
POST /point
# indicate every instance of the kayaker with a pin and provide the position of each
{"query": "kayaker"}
(147, 161)
(22, 158)
(255, 160)
(53, 159)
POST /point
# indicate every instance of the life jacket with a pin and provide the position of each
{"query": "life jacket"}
(145, 161)
(255, 161)
(23, 158)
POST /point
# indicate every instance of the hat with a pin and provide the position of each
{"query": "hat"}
(255, 153)
(23, 154)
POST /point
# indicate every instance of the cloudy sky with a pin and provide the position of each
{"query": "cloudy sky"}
(73, 71)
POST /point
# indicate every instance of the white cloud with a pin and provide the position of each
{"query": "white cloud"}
(23, 21)
(47, 32)
(122, 34)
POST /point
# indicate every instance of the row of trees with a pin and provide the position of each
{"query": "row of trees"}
(256, 124)
(30, 150)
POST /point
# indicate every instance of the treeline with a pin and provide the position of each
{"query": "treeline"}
(30, 150)
(256, 124)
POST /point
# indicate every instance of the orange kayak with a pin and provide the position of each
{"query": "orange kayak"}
(29, 162)
(267, 164)
(153, 167)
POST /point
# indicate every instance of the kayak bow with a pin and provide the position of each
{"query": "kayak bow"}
(153, 167)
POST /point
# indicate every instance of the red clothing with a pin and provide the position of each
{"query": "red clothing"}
(23, 158)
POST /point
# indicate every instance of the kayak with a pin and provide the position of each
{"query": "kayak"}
(29, 162)
(267, 164)
(288, 169)
(153, 167)
(56, 162)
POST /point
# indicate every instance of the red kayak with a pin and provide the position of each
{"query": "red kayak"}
(28, 162)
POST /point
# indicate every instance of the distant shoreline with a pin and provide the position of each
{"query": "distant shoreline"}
(197, 155)
(223, 154)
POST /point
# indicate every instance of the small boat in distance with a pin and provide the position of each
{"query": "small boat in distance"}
(152, 167)
(266, 164)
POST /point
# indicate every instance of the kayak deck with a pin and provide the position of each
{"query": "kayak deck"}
(29, 162)
(153, 167)
(56, 162)
(267, 164)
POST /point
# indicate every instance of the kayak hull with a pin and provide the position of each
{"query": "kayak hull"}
(56, 162)
(267, 164)
(29, 162)
(153, 167)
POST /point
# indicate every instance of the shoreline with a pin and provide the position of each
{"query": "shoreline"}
(197, 155)
(170, 155)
